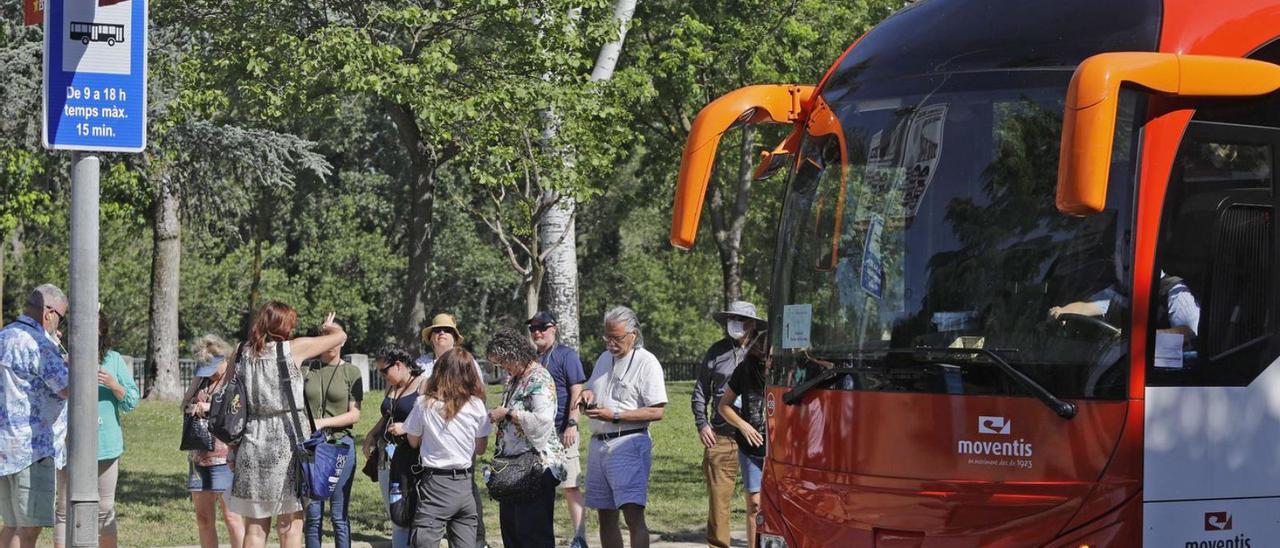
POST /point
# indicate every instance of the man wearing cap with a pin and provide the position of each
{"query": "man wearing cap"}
(720, 456)
(34, 382)
(565, 367)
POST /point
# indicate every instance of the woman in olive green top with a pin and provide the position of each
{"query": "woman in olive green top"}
(333, 391)
(117, 395)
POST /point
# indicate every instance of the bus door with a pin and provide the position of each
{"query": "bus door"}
(1212, 409)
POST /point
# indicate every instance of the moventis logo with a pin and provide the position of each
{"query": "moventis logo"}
(1217, 521)
(981, 450)
(994, 425)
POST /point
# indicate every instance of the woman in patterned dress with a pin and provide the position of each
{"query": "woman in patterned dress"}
(264, 484)
(526, 422)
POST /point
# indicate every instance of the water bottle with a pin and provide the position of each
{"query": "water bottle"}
(393, 493)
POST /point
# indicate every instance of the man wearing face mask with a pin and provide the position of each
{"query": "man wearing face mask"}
(34, 384)
(720, 456)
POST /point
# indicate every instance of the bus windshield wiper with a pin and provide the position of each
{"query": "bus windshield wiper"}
(1061, 407)
(793, 396)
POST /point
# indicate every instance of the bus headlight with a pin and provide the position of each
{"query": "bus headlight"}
(772, 541)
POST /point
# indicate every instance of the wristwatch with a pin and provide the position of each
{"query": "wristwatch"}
(617, 416)
(571, 422)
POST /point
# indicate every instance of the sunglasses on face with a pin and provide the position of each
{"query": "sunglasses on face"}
(539, 328)
(61, 316)
(384, 370)
(440, 330)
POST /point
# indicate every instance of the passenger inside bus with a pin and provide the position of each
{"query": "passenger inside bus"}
(1180, 315)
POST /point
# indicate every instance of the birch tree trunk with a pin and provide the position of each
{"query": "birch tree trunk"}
(556, 230)
(162, 338)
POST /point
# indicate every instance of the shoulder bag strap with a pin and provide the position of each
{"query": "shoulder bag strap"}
(288, 387)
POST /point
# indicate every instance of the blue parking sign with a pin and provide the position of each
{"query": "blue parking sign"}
(95, 75)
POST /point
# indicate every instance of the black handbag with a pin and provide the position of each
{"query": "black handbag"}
(405, 477)
(514, 477)
(195, 434)
(229, 408)
(370, 468)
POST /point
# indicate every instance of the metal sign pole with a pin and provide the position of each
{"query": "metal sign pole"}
(82, 408)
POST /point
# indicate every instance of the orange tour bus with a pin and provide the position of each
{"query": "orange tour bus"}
(1023, 293)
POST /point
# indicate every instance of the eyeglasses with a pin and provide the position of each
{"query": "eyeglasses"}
(384, 370)
(61, 316)
(440, 330)
(616, 340)
(540, 328)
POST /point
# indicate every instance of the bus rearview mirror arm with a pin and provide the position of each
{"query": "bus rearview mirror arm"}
(779, 104)
(1089, 119)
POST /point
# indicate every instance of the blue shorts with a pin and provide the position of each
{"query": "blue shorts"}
(215, 478)
(752, 471)
(618, 471)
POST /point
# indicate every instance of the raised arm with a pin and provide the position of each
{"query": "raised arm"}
(305, 348)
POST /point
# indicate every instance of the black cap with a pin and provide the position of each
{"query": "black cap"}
(543, 317)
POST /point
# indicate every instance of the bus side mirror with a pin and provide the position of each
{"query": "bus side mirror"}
(1089, 120)
(780, 104)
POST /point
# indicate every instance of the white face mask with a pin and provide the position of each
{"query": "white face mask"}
(735, 329)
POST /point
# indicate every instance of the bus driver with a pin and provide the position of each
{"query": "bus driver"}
(1180, 315)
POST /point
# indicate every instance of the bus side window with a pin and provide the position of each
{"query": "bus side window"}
(1213, 294)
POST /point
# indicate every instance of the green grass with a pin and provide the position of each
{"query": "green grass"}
(154, 509)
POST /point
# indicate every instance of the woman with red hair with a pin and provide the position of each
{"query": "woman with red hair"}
(264, 484)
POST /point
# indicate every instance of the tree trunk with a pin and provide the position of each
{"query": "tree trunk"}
(728, 220)
(557, 226)
(561, 269)
(424, 160)
(255, 282)
(162, 340)
(533, 289)
(4, 244)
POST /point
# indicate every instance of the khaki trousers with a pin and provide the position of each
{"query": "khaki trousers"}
(720, 467)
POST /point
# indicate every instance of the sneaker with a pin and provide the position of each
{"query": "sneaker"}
(578, 542)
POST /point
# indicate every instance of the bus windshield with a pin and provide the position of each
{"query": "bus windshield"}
(926, 219)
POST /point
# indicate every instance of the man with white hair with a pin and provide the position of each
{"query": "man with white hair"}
(625, 393)
(34, 382)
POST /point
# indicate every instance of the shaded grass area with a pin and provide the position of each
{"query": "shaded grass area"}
(154, 509)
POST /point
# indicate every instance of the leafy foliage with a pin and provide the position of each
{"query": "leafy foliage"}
(273, 123)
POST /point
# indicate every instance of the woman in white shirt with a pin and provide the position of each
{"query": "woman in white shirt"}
(449, 425)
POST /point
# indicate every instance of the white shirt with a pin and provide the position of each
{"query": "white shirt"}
(449, 444)
(1183, 310)
(637, 382)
